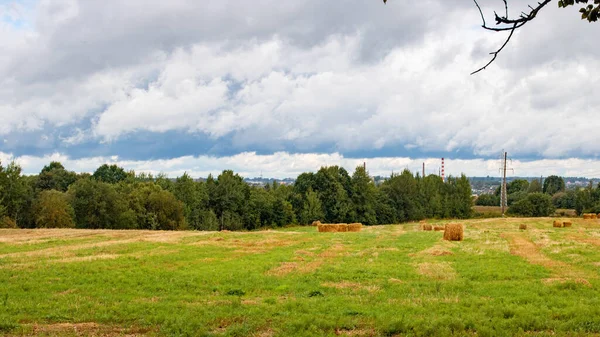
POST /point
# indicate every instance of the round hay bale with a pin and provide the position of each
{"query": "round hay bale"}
(557, 224)
(567, 223)
(316, 223)
(594, 216)
(355, 227)
(438, 228)
(523, 226)
(427, 227)
(454, 232)
(587, 216)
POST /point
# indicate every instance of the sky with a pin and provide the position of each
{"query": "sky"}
(282, 87)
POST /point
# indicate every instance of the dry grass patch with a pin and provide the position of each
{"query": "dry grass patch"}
(437, 250)
(528, 250)
(82, 329)
(583, 239)
(351, 285)
(581, 281)
(297, 267)
(437, 270)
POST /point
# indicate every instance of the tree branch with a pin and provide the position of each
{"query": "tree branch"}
(513, 24)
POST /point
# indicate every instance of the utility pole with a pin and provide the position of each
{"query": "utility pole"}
(503, 197)
(503, 191)
(423, 170)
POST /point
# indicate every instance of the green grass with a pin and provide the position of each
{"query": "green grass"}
(384, 281)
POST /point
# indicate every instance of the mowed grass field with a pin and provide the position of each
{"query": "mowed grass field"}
(384, 281)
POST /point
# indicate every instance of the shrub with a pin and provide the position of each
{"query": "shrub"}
(534, 205)
(7, 222)
(487, 200)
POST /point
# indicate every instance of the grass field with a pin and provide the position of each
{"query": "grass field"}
(384, 281)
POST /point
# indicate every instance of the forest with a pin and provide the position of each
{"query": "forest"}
(113, 198)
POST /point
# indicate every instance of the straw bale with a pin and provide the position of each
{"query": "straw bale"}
(567, 223)
(327, 228)
(454, 232)
(522, 226)
(587, 216)
(594, 216)
(557, 223)
(427, 227)
(342, 227)
(354, 227)
(438, 228)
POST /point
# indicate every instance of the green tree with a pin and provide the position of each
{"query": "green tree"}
(534, 205)
(16, 194)
(110, 174)
(228, 196)
(535, 187)
(363, 197)
(194, 197)
(402, 190)
(313, 208)
(553, 185)
(332, 184)
(98, 205)
(565, 199)
(51, 209)
(515, 197)
(517, 185)
(55, 177)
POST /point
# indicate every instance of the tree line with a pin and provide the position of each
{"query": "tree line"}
(116, 199)
(543, 197)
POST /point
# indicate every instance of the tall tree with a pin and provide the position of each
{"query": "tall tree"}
(98, 205)
(52, 210)
(194, 197)
(111, 174)
(313, 208)
(228, 198)
(554, 184)
(55, 177)
(15, 193)
(363, 197)
(535, 187)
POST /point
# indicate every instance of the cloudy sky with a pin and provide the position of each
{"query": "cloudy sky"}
(282, 87)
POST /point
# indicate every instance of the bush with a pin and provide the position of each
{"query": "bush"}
(487, 200)
(7, 222)
(534, 205)
(516, 197)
